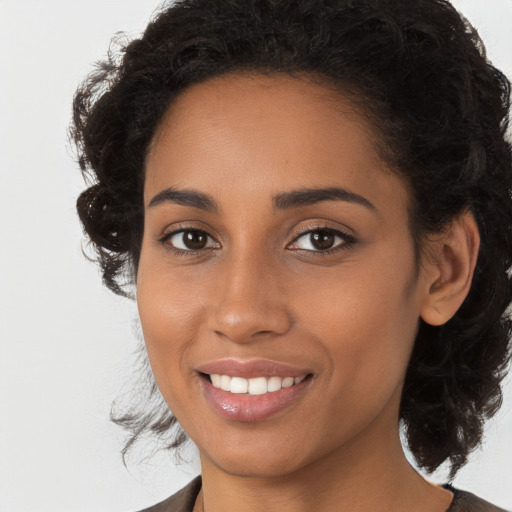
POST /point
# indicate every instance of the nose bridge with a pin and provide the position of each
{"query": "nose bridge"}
(249, 299)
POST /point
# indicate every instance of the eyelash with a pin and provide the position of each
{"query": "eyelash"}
(183, 252)
(347, 241)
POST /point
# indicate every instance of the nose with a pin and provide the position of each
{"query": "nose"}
(248, 303)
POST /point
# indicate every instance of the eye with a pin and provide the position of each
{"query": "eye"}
(321, 240)
(189, 240)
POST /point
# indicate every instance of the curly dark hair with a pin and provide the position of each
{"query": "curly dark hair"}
(418, 70)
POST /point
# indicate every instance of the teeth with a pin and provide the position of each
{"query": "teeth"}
(255, 386)
(287, 382)
(216, 380)
(274, 384)
(238, 385)
(225, 382)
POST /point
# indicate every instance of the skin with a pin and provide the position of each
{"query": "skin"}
(259, 289)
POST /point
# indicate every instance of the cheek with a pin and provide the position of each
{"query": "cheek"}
(169, 316)
(365, 321)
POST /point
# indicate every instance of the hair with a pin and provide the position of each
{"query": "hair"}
(418, 70)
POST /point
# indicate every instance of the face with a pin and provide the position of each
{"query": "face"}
(277, 284)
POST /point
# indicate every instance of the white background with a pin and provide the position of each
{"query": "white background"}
(66, 344)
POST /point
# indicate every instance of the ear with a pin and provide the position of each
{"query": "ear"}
(448, 269)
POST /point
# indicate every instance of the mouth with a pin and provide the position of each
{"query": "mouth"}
(254, 386)
(252, 391)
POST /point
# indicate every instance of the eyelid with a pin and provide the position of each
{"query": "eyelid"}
(347, 240)
(187, 225)
(183, 228)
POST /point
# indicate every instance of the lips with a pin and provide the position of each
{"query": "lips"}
(254, 390)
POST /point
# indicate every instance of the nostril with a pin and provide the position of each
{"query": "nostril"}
(243, 335)
(242, 322)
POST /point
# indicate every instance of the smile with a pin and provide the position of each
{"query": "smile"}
(254, 386)
(252, 390)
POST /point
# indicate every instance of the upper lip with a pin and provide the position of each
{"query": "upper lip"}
(251, 368)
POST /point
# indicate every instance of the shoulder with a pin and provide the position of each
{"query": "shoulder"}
(464, 501)
(182, 501)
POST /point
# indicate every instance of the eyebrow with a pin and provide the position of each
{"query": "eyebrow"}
(307, 196)
(282, 201)
(185, 197)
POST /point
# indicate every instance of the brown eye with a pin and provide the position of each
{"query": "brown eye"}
(322, 240)
(194, 240)
(190, 240)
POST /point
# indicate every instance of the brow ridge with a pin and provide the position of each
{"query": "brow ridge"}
(185, 197)
(308, 196)
(281, 201)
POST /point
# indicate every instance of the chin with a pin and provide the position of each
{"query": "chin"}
(260, 455)
(257, 465)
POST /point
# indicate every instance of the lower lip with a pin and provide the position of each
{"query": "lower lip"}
(251, 408)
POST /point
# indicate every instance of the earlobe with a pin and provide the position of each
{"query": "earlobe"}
(449, 270)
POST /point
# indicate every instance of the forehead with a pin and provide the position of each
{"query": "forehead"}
(261, 133)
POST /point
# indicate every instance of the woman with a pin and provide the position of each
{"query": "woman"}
(313, 200)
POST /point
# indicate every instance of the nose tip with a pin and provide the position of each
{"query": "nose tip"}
(246, 325)
(248, 306)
